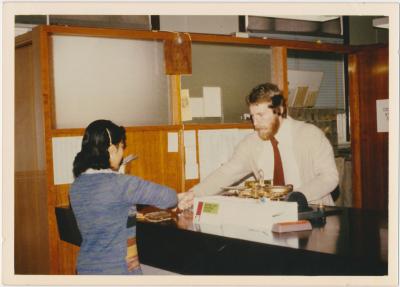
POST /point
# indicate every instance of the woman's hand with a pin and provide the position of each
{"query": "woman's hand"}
(185, 200)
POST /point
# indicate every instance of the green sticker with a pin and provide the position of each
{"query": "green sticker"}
(210, 208)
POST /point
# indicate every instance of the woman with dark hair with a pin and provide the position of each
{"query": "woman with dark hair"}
(102, 198)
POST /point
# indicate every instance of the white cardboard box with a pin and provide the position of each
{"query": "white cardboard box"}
(252, 213)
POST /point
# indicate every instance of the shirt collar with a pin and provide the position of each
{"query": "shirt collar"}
(93, 171)
(284, 130)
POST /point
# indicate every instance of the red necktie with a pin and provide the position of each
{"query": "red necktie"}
(279, 178)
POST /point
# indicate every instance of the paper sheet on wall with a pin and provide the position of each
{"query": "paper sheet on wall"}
(382, 115)
(172, 142)
(196, 106)
(189, 138)
(216, 147)
(191, 166)
(191, 171)
(212, 101)
(186, 112)
(64, 152)
(341, 128)
(190, 154)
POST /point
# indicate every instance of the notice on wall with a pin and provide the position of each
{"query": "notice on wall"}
(64, 152)
(212, 101)
(382, 115)
(191, 166)
(189, 138)
(196, 107)
(172, 142)
(216, 147)
(191, 171)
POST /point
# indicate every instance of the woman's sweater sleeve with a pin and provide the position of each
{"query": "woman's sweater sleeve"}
(135, 190)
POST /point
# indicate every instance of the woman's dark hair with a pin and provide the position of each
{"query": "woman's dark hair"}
(99, 135)
(269, 93)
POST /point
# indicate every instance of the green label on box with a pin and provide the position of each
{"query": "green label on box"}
(210, 208)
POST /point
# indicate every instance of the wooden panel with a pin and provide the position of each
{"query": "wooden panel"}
(355, 126)
(196, 37)
(31, 233)
(68, 257)
(23, 40)
(178, 55)
(372, 75)
(290, 44)
(30, 198)
(175, 99)
(25, 156)
(154, 162)
(62, 192)
(109, 33)
(41, 56)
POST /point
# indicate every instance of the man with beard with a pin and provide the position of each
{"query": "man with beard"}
(304, 153)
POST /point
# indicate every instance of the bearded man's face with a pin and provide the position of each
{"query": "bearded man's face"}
(265, 122)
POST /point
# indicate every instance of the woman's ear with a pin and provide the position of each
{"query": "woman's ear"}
(112, 149)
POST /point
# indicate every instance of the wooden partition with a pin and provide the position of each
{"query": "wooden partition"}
(369, 82)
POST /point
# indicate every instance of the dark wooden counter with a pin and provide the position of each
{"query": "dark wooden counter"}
(352, 242)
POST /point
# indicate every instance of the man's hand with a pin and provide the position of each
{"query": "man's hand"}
(185, 200)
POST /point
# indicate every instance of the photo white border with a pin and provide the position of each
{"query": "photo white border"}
(10, 9)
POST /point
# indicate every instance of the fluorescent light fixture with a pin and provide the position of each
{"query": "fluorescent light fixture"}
(382, 22)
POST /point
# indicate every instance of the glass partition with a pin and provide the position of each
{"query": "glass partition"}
(227, 72)
(317, 93)
(118, 79)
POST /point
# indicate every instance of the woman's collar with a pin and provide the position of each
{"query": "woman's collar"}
(93, 171)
